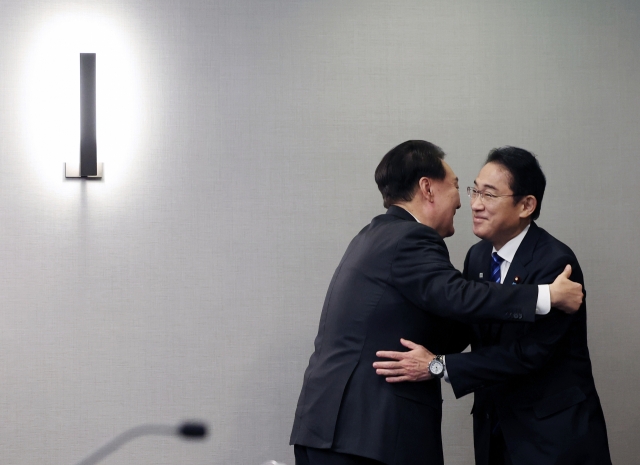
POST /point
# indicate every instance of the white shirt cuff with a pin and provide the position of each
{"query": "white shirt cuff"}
(543, 306)
(446, 375)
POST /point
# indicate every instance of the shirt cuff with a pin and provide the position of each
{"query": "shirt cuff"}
(543, 305)
(446, 375)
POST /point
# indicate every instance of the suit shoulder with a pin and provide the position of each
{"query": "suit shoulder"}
(548, 244)
(553, 255)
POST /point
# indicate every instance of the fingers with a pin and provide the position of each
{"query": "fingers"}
(391, 354)
(408, 344)
(399, 355)
(387, 365)
(567, 271)
(397, 379)
(394, 372)
(403, 378)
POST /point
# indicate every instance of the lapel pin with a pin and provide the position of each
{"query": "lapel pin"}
(516, 280)
(481, 275)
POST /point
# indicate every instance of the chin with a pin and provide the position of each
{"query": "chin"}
(479, 233)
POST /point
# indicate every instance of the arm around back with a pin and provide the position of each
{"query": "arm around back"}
(422, 271)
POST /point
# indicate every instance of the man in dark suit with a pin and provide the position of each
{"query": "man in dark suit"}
(395, 279)
(535, 398)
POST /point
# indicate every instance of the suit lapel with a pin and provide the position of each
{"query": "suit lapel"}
(481, 271)
(518, 274)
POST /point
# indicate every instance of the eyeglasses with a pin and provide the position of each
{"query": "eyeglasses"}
(485, 197)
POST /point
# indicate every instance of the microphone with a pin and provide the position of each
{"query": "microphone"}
(192, 430)
(188, 431)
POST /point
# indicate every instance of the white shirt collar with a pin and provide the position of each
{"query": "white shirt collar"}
(508, 251)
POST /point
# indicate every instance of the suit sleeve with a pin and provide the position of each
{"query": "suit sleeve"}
(486, 366)
(422, 272)
(455, 336)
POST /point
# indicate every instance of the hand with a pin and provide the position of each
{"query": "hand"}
(407, 366)
(566, 295)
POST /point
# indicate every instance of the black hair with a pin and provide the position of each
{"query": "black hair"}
(401, 168)
(526, 176)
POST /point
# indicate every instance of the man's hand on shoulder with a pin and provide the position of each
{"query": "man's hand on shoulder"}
(405, 366)
(566, 295)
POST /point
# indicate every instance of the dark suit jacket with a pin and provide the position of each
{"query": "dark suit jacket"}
(536, 378)
(395, 280)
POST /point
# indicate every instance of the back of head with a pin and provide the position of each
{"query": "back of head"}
(401, 168)
(526, 175)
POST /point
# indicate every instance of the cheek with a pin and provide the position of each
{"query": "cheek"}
(483, 225)
(482, 229)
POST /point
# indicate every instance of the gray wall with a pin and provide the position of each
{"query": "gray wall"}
(239, 141)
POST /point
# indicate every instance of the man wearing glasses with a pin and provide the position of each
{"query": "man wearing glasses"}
(395, 279)
(535, 398)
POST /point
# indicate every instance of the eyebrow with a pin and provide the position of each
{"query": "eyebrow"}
(487, 186)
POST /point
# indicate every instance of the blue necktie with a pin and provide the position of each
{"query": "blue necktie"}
(495, 267)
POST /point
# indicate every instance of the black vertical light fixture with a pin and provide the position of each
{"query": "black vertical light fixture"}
(89, 168)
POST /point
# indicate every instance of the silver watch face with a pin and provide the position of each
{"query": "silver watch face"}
(436, 367)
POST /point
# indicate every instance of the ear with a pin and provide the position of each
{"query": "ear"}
(529, 204)
(425, 189)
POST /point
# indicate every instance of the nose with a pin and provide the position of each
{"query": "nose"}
(476, 204)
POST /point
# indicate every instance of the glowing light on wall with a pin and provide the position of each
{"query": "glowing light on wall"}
(52, 97)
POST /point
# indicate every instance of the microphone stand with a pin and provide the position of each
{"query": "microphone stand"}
(186, 431)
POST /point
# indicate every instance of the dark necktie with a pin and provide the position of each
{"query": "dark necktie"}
(496, 260)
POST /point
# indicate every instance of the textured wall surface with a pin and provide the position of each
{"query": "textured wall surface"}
(239, 140)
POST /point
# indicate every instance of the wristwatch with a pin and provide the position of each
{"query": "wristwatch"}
(436, 367)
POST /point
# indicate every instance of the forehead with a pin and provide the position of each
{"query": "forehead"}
(493, 176)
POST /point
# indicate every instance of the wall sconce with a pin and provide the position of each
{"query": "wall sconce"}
(89, 168)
